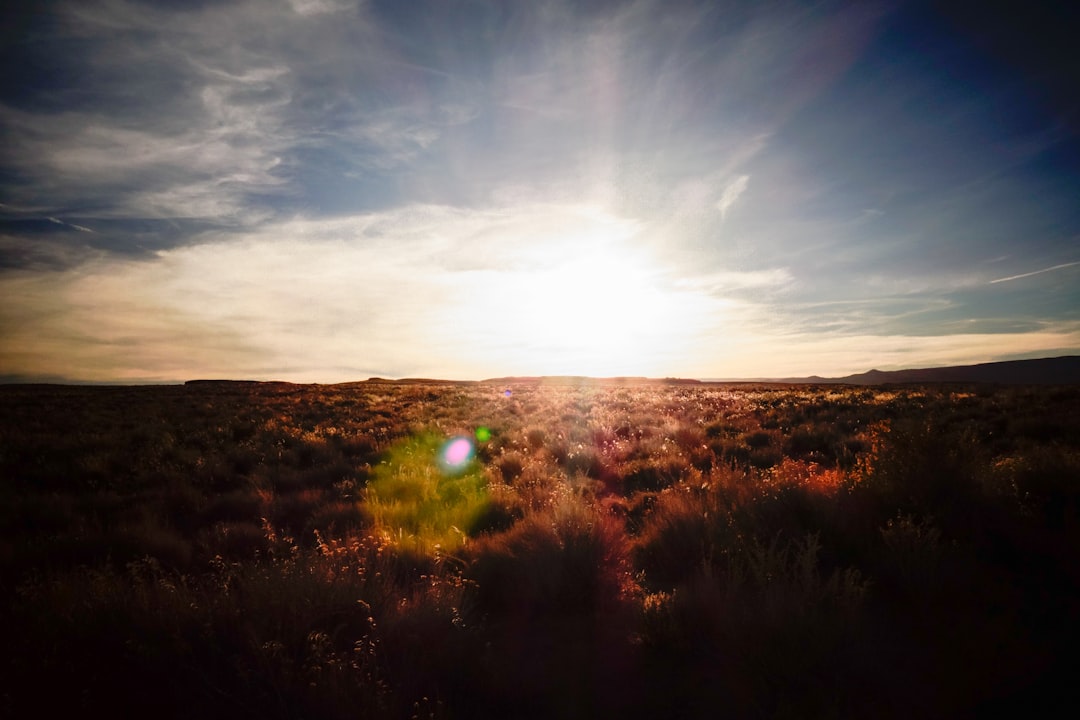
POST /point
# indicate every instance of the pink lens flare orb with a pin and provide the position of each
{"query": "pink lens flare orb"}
(507, 393)
(456, 454)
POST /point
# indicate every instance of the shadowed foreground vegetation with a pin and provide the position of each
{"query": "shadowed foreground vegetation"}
(286, 551)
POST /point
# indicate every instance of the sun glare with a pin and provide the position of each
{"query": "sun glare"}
(588, 304)
(594, 304)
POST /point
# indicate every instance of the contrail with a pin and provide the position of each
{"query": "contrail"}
(1035, 272)
(80, 228)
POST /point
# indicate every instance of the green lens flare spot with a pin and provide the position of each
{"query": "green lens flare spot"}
(428, 493)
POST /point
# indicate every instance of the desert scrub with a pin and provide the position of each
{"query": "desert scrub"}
(573, 593)
(755, 586)
(779, 634)
(299, 632)
(918, 467)
(567, 559)
(684, 530)
(913, 558)
(1046, 484)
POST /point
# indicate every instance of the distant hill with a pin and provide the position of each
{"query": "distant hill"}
(215, 383)
(583, 380)
(1044, 371)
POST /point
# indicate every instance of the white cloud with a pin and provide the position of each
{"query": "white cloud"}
(423, 290)
(732, 192)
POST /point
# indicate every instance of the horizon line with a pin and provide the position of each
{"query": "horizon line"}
(563, 378)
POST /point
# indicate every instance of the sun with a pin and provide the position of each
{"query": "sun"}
(591, 307)
(585, 303)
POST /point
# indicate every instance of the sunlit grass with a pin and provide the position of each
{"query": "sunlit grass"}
(423, 504)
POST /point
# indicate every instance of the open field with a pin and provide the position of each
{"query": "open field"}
(599, 550)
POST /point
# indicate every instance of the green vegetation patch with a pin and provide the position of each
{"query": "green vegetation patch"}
(429, 493)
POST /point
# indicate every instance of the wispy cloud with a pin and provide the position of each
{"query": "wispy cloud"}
(763, 355)
(727, 281)
(732, 193)
(80, 228)
(1036, 272)
(229, 99)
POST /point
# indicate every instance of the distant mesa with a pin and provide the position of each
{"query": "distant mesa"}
(419, 381)
(584, 380)
(1044, 371)
(222, 382)
(236, 383)
(1063, 370)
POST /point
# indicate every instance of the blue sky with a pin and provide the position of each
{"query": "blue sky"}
(326, 190)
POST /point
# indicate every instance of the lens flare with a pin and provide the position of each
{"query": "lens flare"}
(455, 454)
(483, 434)
(429, 492)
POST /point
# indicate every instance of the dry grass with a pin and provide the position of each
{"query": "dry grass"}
(644, 550)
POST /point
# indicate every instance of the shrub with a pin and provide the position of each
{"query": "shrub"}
(812, 441)
(511, 465)
(584, 461)
(567, 560)
(1047, 484)
(339, 517)
(918, 468)
(780, 634)
(913, 558)
(234, 540)
(653, 474)
(758, 439)
(235, 505)
(682, 533)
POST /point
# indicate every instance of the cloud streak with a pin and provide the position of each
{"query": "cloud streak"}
(1036, 272)
(732, 192)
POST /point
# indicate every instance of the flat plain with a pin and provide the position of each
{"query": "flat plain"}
(538, 549)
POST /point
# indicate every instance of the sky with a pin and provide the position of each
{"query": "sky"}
(329, 190)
